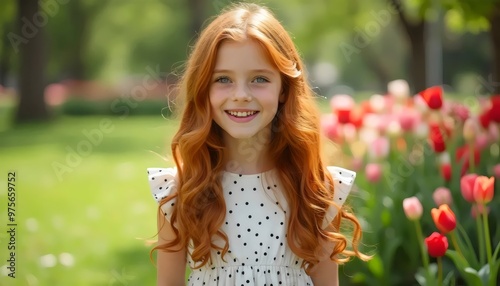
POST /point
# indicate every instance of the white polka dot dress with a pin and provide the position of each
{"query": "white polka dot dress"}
(256, 226)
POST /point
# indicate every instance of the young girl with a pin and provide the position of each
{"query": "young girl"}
(250, 202)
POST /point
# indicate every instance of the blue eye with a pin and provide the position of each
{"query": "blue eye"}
(223, 79)
(261, 79)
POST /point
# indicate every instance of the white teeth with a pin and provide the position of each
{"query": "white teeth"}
(242, 113)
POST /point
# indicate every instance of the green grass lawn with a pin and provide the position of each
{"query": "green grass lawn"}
(84, 212)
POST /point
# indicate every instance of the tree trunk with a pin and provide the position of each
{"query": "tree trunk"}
(31, 106)
(416, 37)
(418, 64)
(197, 11)
(495, 39)
(80, 21)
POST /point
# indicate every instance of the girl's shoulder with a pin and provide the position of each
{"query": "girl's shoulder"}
(343, 181)
(163, 183)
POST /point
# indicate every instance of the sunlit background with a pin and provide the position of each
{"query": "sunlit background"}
(87, 103)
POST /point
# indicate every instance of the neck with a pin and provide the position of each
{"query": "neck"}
(249, 155)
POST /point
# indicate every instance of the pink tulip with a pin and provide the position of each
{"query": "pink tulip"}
(413, 208)
(379, 148)
(349, 132)
(373, 172)
(378, 103)
(441, 196)
(372, 120)
(478, 209)
(399, 89)
(496, 171)
(356, 164)
(467, 187)
(471, 129)
(494, 132)
(329, 126)
(461, 112)
(408, 119)
(482, 140)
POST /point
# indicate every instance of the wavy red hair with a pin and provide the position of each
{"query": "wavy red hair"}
(197, 148)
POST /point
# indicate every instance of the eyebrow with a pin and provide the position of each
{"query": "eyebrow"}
(268, 71)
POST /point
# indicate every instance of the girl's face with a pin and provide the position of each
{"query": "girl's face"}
(245, 89)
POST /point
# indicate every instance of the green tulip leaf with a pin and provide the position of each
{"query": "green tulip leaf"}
(471, 276)
(420, 279)
(447, 280)
(459, 261)
(495, 254)
(484, 274)
(494, 273)
(426, 277)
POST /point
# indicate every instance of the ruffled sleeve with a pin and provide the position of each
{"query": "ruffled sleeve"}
(343, 181)
(163, 183)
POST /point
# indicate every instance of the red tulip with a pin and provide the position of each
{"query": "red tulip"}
(485, 118)
(436, 138)
(356, 117)
(444, 218)
(467, 187)
(433, 96)
(483, 189)
(342, 104)
(462, 156)
(437, 244)
(495, 108)
(446, 172)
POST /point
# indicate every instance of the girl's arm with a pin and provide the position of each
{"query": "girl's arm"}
(171, 266)
(325, 273)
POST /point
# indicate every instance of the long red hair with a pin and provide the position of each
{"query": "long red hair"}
(197, 148)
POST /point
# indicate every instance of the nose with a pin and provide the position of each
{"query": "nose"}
(242, 93)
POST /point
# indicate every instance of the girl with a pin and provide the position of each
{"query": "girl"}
(250, 202)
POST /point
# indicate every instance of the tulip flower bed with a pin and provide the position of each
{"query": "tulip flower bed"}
(428, 170)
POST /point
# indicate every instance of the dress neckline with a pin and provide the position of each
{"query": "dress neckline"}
(248, 175)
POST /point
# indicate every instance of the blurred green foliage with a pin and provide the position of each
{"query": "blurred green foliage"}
(110, 40)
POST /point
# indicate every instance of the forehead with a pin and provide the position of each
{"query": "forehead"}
(246, 54)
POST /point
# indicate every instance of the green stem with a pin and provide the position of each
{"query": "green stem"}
(487, 235)
(420, 237)
(440, 271)
(455, 244)
(480, 238)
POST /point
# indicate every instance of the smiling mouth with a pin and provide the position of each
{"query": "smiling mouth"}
(241, 114)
